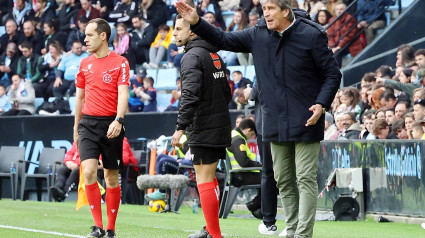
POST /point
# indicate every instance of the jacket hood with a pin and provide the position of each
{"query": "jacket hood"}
(297, 12)
(355, 127)
(199, 42)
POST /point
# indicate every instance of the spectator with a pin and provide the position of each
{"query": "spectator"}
(404, 55)
(387, 100)
(45, 12)
(339, 126)
(153, 11)
(349, 99)
(417, 131)
(371, 14)
(384, 71)
(409, 119)
(406, 76)
(240, 156)
(323, 16)
(123, 12)
(22, 95)
(331, 5)
(159, 47)
(210, 18)
(87, 10)
(122, 44)
(419, 109)
(352, 128)
(48, 68)
(368, 119)
(205, 6)
(4, 8)
(12, 35)
(67, 16)
(312, 7)
(34, 36)
(228, 5)
(67, 71)
(141, 38)
(254, 6)
(8, 64)
(390, 116)
(51, 34)
(21, 12)
(147, 94)
(420, 57)
(380, 114)
(28, 64)
(4, 100)
(399, 129)
(368, 78)
(382, 130)
(175, 98)
(342, 32)
(375, 98)
(78, 34)
(174, 55)
(246, 58)
(253, 18)
(238, 120)
(418, 93)
(401, 109)
(104, 7)
(238, 23)
(330, 128)
(239, 80)
(135, 103)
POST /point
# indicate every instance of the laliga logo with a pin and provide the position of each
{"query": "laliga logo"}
(107, 78)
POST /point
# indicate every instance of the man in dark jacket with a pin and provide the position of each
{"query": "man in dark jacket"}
(142, 37)
(205, 115)
(123, 12)
(12, 35)
(298, 78)
(8, 64)
(34, 36)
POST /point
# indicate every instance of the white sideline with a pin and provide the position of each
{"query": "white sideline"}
(40, 231)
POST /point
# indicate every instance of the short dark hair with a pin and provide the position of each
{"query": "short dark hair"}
(407, 104)
(102, 26)
(52, 24)
(398, 125)
(387, 95)
(2, 86)
(408, 72)
(352, 115)
(420, 52)
(385, 71)
(369, 77)
(83, 19)
(163, 27)
(150, 79)
(26, 44)
(247, 123)
(378, 125)
(237, 71)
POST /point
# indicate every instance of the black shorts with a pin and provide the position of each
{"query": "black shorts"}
(206, 155)
(93, 141)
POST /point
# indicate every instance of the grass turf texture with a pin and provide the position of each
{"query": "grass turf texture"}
(137, 221)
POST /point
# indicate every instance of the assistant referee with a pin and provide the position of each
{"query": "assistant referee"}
(101, 102)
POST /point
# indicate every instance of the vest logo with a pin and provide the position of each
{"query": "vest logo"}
(107, 78)
(89, 66)
(219, 74)
(216, 60)
(242, 147)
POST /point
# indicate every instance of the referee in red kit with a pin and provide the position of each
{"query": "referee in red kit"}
(101, 102)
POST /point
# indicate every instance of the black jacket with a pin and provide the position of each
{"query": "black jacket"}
(240, 155)
(13, 64)
(66, 16)
(123, 13)
(5, 39)
(205, 96)
(294, 72)
(156, 13)
(143, 43)
(37, 41)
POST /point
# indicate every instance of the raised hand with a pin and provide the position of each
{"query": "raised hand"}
(188, 13)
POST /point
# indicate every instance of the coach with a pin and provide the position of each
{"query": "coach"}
(297, 79)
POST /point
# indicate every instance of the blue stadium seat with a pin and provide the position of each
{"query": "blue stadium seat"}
(71, 101)
(166, 79)
(162, 101)
(250, 72)
(2, 30)
(38, 102)
(238, 67)
(152, 73)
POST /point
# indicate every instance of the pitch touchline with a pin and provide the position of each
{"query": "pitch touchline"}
(40, 231)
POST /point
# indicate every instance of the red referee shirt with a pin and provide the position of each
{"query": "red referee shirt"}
(100, 78)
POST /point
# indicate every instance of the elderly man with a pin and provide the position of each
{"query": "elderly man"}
(293, 98)
(12, 35)
(8, 64)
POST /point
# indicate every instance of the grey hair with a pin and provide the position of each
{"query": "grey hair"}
(283, 4)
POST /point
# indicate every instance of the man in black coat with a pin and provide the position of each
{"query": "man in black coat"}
(298, 78)
(205, 116)
(12, 35)
(8, 64)
(142, 37)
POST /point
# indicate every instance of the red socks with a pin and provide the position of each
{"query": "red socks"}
(209, 195)
(94, 197)
(113, 197)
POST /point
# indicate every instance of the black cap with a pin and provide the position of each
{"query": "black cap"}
(141, 72)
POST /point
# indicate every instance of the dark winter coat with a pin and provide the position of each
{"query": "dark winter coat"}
(205, 96)
(294, 72)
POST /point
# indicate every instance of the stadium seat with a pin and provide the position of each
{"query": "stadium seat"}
(230, 191)
(71, 101)
(166, 79)
(162, 101)
(2, 30)
(11, 155)
(234, 68)
(152, 73)
(49, 159)
(250, 72)
(38, 102)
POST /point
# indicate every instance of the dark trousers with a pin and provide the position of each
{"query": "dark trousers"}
(269, 189)
(16, 112)
(60, 91)
(66, 178)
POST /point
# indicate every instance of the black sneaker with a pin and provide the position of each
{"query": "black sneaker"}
(201, 234)
(57, 193)
(96, 232)
(110, 234)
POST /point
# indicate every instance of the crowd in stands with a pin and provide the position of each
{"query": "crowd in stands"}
(44, 40)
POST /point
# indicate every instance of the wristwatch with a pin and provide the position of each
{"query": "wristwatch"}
(119, 119)
(324, 110)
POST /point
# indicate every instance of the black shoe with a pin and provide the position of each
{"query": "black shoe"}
(201, 234)
(110, 234)
(96, 232)
(57, 193)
